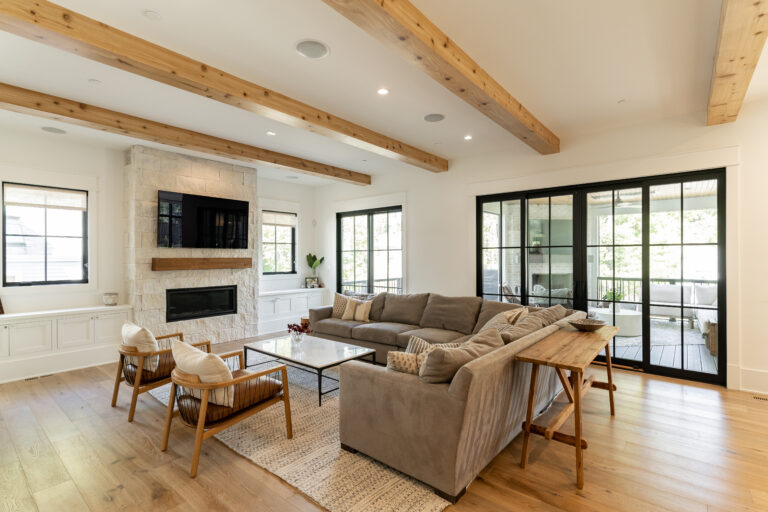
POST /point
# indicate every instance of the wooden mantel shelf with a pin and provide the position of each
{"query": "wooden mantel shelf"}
(200, 263)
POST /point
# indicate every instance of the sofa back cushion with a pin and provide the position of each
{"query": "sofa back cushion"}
(404, 309)
(441, 364)
(377, 307)
(451, 313)
(489, 309)
(550, 315)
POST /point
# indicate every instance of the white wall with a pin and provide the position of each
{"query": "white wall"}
(440, 219)
(54, 160)
(291, 197)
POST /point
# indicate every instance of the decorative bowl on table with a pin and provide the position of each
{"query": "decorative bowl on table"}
(587, 324)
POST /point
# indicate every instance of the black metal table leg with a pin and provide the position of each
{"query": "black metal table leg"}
(319, 388)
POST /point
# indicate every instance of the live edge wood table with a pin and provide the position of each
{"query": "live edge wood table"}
(572, 350)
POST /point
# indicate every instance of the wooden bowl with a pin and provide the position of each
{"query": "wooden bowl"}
(587, 324)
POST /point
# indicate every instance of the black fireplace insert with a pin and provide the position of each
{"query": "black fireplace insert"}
(190, 303)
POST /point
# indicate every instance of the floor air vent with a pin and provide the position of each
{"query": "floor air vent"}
(761, 398)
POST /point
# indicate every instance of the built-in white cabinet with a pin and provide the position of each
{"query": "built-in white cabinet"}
(30, 337)
(42, 342)
(279, 308)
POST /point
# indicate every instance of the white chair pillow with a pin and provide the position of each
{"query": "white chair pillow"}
(208, 368)
(142, 340)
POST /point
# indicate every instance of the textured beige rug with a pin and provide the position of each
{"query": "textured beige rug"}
(314, 463)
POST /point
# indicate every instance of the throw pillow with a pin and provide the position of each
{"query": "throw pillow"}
(142, 340)
(506, 319)
(417, 345)
(339, 305)
(441, 364)
(349, 311)
(208, 368)
(363, 311)
(403, 362)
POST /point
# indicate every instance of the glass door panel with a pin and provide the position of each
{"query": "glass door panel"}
(501, 251)
(550, 251)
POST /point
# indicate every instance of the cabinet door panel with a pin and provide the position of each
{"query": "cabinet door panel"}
(74, 332)
(108, 327)
(4, 341)
(26, 338)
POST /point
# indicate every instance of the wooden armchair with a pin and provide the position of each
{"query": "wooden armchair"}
(252, 392)
(146, 380)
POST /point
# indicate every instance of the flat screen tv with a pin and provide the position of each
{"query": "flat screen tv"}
(187, 220)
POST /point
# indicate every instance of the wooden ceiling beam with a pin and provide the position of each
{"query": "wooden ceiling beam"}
(38, 104)
(401, 26)
(67, 30)
(740, 41)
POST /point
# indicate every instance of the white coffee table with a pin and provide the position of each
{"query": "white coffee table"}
(630, 323)
(311, 355)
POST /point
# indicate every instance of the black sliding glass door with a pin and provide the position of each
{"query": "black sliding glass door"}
(646, 255)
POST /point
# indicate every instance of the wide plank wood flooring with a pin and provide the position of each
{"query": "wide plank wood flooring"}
(673, 446)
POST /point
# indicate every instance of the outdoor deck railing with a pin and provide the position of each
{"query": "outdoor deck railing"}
(630, 288)
(379, 285)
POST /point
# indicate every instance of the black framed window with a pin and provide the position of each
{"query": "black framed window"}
(369, 250)
(278, 242)
(45, 235)
(646, 255)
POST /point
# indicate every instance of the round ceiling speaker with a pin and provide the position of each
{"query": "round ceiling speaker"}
(434, 118)
(312, 49)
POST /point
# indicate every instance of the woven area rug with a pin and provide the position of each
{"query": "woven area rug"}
(313, 461)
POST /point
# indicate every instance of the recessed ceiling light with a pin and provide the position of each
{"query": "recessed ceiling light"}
(51, 129)
(271, 133)
(383, 91)
(434, 118)
(467, 137)
(312, 49)
(291, 177)
(94, 81)
(151, 15)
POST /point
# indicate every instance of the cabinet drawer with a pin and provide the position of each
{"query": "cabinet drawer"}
(30, 337)
(108, 327)
(74, 332)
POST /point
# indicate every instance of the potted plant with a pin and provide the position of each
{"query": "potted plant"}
(314, 262)
(612, 296)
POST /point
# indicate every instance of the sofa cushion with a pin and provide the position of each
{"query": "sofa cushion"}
(550, 315)
(382, 332)
(335, 327)
(377, 306)
(489, 309)
(451, 313)
(441, 364)
(404, 309)
(429, 334)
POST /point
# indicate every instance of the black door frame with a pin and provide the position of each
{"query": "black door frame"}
(580, 251)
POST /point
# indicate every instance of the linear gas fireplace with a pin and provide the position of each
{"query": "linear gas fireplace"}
(189, 303)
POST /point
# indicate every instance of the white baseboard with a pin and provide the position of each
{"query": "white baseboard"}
(755, 381)
(56, 362)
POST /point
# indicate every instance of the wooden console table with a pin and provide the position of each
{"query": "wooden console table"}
(572, 350)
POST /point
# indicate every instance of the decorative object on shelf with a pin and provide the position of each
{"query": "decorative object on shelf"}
(311, 282)
(110, 299)
(587, 324)
(314, 262)
(298, 331)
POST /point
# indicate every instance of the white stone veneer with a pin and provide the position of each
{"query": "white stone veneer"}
(148, 170)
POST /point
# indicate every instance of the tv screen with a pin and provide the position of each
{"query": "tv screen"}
(187, 220)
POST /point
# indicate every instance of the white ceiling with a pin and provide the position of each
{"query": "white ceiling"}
(568, 62)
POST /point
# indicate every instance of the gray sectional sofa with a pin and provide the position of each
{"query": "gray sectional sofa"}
(395, 318)
(442, 434)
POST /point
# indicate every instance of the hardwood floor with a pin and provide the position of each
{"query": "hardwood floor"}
(673, 445)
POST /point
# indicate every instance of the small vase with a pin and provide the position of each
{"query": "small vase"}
(297, 337)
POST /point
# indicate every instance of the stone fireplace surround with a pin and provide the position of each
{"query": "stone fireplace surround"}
(148, 170)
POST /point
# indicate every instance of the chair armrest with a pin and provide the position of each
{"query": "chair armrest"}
(193, 381)
(179, 335)
(234, 353)
(317, 314)
(205, 343)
